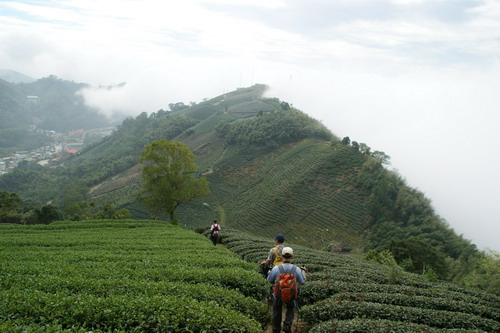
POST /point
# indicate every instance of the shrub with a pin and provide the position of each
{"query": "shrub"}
(378, 326)
(333, 309)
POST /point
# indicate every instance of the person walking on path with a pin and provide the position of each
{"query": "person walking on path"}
(214, 232)
(274, 257)
(277, 276)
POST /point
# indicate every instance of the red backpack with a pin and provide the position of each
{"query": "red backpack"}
(215, 230)
(286, 287)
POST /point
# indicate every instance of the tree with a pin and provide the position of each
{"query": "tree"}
(346, 141)
(285, 106)
(417, 256)
(78, 211)
(168, 177)
(486, 273)
(382, 157)
(364, 149)
(355, 145)
(49, 213)
(386, 258)
(110, 212)
(9, 202)
(177, 106)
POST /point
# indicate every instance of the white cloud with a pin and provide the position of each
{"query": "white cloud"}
(271, 4)
(440, 127)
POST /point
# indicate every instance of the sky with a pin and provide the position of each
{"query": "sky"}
(416, 79)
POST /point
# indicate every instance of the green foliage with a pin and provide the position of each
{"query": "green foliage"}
(9, 202)
(424, 302)
(49, 213)
(168, 180)
(12, 210)
(486, 273)
(386, 258)
(383, 257)
(37, 185)
(322, 289)
(420, 256)
(378, 326)
(333, 309)
(177, 106)
(120, 151)
(84, 210)
(273, 128)
(403, 221)
(95, 163)
(132, 276)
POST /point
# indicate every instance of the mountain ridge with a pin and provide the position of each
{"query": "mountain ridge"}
(272, 169)
(14, 77)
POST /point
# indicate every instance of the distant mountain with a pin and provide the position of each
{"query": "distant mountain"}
(45, 104)
(14, 111)
(59, 107)
(14, 77)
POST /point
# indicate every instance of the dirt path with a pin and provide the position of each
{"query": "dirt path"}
(297, 327)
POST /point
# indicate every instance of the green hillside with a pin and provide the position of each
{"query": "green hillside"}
(126, 276)
(271, 169)
(59, 107)
(300, 186)
(13, 114)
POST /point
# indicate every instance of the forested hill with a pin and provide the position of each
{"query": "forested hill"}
(271, 169)
(45, 104)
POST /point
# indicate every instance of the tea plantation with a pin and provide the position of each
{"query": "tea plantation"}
(126, 276)
(344, 294)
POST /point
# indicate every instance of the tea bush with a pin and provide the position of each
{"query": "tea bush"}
(345, 294)
(334, 309)
(133, 276)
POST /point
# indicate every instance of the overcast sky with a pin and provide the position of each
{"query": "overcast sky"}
(417, 79)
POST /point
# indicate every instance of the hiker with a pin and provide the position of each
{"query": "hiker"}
(274, 258)
(283, 293)
(214, 232)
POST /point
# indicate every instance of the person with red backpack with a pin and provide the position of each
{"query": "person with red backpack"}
(286, 278)
(214, 232)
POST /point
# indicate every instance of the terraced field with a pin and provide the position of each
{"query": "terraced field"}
(344, 294)
(305, 186)
(124, 276)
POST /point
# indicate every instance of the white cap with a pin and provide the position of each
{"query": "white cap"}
(287, 251)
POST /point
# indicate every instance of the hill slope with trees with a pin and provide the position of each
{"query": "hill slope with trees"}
(271, 168)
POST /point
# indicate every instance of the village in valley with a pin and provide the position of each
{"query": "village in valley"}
(62, 145)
